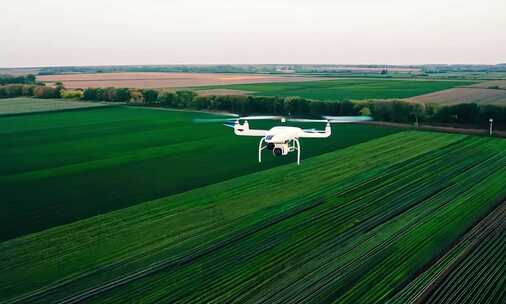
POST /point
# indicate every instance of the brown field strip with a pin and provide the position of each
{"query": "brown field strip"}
(163, 80)
(501, 84)
(464, 95)
(222, 92)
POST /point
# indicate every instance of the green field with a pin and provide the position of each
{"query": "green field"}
(356, 225)
(452, 279)
(10, 106)
(59, 167)
(341, 89)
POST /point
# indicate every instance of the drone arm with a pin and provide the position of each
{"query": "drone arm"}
(244, 130)
(317, 134)
(251, 132)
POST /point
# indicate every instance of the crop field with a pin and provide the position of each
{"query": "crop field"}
(452, 279)
(59, 167)
(163, 80)
(373, 222)
(495, 84)
(339, 89)
(20, 105)
(465, 95)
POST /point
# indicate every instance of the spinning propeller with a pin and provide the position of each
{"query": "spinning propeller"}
(282, 140)
(229, 122)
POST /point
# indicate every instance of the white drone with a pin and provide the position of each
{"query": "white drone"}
(282, 140)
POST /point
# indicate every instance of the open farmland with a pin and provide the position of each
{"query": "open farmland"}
(163, 80)
(339, 89)
(494, 84)
(357, 225)
(20, 105)
(60, 167)
(452, 279)
(465, 95)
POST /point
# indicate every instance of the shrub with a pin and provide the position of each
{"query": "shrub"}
(46, 92)
(71, 94)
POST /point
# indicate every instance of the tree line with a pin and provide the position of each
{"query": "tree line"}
(24, 79)
(399, 111)
(29, 90)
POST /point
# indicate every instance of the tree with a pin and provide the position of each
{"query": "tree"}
(109, 94)
(121, 95)
(150, 96)
(90, 94)
(136, 96)
(317, 107)
(46, 92)
(30, 79)
(296, 105)
(71, 94)
(184, 98)
(202, 102)
(167, 98)
(27, 90)
(346, 108)
(13, 90)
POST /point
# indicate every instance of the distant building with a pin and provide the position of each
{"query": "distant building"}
(285, 69)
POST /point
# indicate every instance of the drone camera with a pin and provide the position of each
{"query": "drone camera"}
(280, 149)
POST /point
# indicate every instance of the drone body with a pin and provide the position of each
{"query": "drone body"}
(282, 140)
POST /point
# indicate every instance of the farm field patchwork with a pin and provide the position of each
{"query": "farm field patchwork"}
(339, 89)
(9, 106)
(357, 226)
(59, 167)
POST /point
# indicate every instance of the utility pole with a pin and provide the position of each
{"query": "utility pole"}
(491, 120)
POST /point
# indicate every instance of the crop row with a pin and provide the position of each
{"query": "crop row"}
(356, 226)
(473, 271)
(56, 168)
(353, 248)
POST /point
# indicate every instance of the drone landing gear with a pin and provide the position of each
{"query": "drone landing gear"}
(291, 146)
(294, 145)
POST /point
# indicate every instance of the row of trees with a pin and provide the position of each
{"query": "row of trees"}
(107, 94)
(24, 79)
(255, 104)
(390, 111)
(464, 114)
(39, 91)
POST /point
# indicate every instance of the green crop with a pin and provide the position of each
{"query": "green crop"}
(341, 89)
(351, 226)
(473, 271)
(59, 167)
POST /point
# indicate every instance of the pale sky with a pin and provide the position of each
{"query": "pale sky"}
(111, 32)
